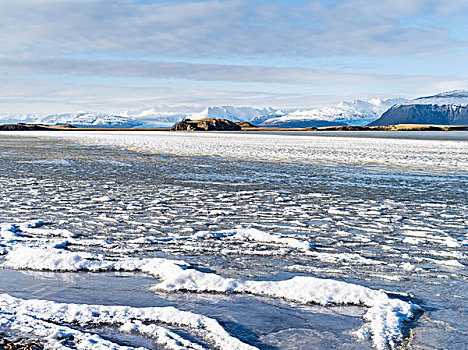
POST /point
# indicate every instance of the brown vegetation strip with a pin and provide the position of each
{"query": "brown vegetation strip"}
(20, 344)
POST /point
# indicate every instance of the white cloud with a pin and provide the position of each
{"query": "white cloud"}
(209, 28)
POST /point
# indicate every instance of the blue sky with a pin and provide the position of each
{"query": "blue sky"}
(100, 55)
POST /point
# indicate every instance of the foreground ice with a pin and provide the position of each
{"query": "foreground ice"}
(42, 318)
(384, 318)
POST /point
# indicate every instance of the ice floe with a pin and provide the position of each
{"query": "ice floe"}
(385, 315)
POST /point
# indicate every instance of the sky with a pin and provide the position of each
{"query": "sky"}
(60, 56)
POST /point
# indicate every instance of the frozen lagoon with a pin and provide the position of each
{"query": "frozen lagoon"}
(243, 211)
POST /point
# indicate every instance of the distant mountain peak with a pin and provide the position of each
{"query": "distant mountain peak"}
(234, 113)
(454, 97)
(446, 94)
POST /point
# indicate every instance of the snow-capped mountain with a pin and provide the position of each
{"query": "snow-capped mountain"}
(234, 114)
(158, 117)
(85, 119)
(142, 119)
(447, 108)
(356, 112)
(19, 118)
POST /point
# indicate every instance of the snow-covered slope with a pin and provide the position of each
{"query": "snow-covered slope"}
(356, 112)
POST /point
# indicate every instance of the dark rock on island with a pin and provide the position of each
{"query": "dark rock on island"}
(246, 125)
(206, 124)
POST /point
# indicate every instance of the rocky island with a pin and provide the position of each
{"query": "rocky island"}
(207, 124)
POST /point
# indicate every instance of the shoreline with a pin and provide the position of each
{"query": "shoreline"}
(398, 127)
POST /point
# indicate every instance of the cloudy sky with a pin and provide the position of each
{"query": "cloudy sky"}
(66, 55)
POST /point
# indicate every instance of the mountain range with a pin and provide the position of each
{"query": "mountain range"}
(356, 112)
(448, 108)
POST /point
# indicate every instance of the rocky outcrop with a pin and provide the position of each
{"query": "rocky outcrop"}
(424, 114)
(246, 125)
(206, 124)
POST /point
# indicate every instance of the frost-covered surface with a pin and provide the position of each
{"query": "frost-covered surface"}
(352, 245)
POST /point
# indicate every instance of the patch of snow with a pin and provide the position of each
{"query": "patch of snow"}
(451, 263)
(103, 199)
(344, 258)
(56, 161)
